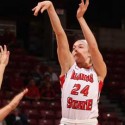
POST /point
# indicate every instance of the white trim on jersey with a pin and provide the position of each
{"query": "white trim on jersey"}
(93, 121)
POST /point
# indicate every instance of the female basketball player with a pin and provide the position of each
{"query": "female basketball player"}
(4, 58)
(82, 71)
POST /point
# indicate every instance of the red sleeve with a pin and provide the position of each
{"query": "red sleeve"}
(62, 80)
(100, 86)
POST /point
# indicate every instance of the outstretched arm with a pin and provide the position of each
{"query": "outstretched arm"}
(63, 51)
(12, 105)
(4, 58)
(97, 59)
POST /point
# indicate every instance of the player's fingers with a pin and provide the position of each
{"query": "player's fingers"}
(44, 8)
(81, 5)
(25, 91)
(21, 94)
(34, 9)
(87, 2)
(1, 49)
(82, 1)
(5, 48)
(8, 53)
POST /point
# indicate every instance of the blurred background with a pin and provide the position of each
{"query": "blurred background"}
(34, 64)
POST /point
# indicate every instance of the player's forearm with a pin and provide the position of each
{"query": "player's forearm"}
(2, 69)
(55, 21)
(87, 33)
(61, 37)
(5, 111)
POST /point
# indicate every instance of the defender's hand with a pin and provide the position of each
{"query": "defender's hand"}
(4, 55)
(15, 101)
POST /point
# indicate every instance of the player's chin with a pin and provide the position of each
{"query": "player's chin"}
(76, 59)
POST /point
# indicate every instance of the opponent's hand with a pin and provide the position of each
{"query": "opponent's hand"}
(15, 101)
(82, 8)
(4, 55)
(41, 6)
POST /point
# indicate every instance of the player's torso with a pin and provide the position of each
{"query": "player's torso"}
(80, 94)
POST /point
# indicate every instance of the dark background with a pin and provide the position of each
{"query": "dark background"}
(107, 13)
(101, 13)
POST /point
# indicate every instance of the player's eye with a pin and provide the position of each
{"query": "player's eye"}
(81, 47)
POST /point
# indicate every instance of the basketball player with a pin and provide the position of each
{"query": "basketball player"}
(4, 58)
(82, 71)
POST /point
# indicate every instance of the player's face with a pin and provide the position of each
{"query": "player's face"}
(80, 51)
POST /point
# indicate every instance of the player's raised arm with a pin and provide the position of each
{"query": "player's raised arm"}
(97, 59)
(4, 58)
(12, 105)
(63, 51)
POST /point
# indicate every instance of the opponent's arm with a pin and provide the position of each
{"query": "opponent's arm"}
(4, 58)
(97, 59)
(12, 105)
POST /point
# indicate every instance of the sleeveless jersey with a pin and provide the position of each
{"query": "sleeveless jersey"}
(80, 93)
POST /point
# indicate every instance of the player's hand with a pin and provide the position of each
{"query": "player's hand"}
(82, 8)
(41, 6)
(15, 101)
(4, 55)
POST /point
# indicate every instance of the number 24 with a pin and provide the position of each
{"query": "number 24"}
(77, 87)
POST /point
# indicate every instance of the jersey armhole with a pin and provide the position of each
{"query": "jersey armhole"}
(100, 86)
(62, 80)
(63, 77)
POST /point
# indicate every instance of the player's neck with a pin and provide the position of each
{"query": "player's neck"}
(84, 65)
